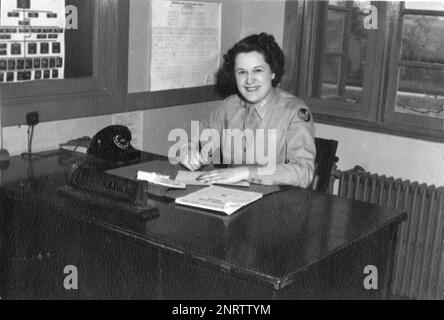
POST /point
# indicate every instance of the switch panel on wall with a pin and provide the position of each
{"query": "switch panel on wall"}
(32, 40)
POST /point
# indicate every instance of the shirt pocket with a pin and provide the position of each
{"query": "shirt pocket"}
(269, 146)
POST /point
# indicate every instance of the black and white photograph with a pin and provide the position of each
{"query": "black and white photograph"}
(221, 157)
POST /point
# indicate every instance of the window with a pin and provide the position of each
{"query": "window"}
(343, 53)
(369, 65)
(416, 72)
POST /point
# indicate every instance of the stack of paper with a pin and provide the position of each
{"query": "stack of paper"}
(217, 198)
(159, 179)
(190, 178)
(77, 145)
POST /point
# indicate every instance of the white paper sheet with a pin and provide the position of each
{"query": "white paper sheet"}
(219, 199)
(185, 44)
(134, 122)
(162, 180)
(189, 178)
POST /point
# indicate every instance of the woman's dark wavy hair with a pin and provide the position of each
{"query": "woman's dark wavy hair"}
(262, 43)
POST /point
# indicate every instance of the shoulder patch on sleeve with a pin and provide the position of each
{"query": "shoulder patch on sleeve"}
(304, 114)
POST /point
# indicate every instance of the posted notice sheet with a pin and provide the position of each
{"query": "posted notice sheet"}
(134, 122)
(185, 44)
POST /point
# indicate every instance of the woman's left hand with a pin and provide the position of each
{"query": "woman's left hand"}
(233, 175)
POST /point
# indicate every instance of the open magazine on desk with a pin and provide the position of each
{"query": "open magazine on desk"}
(217, 198)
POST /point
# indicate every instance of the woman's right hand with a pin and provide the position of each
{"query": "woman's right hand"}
(191, 158)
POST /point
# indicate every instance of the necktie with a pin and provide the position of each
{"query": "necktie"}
(251, 119)
(250, 125)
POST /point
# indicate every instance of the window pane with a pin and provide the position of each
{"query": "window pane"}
(79, 42)
(357, 52)
(361, 5)
(424, 5)
(345, 51)
(338, 3)
(335, 31)
(330, 76)
(423, 39)
(420, 91)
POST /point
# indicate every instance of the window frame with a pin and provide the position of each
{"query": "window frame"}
(377, 113)
(72, 97)
(345, 42)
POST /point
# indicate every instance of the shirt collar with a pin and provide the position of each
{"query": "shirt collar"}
(262, 106)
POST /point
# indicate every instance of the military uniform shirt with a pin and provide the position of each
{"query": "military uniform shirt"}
(281, 120)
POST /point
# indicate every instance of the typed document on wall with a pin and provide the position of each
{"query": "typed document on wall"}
(134, 122)
(185, 44)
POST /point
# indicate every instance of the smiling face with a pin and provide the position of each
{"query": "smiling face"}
(253, 76)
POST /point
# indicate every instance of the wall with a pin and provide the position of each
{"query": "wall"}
(400, 157)
(379, 153)
(48, 135)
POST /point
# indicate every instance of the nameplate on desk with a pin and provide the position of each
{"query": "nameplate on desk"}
(108, 190)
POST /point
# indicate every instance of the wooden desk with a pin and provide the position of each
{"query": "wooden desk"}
(293, 244)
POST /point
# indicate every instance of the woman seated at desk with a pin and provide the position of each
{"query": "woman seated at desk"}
(260, 119)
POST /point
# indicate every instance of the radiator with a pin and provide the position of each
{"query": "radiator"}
(419, 256)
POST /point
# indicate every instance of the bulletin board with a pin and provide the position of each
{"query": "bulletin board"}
(140, 88)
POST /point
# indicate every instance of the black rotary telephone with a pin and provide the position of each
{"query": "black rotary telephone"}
(113, 143)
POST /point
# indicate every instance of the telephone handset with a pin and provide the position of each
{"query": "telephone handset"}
(113, 143)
